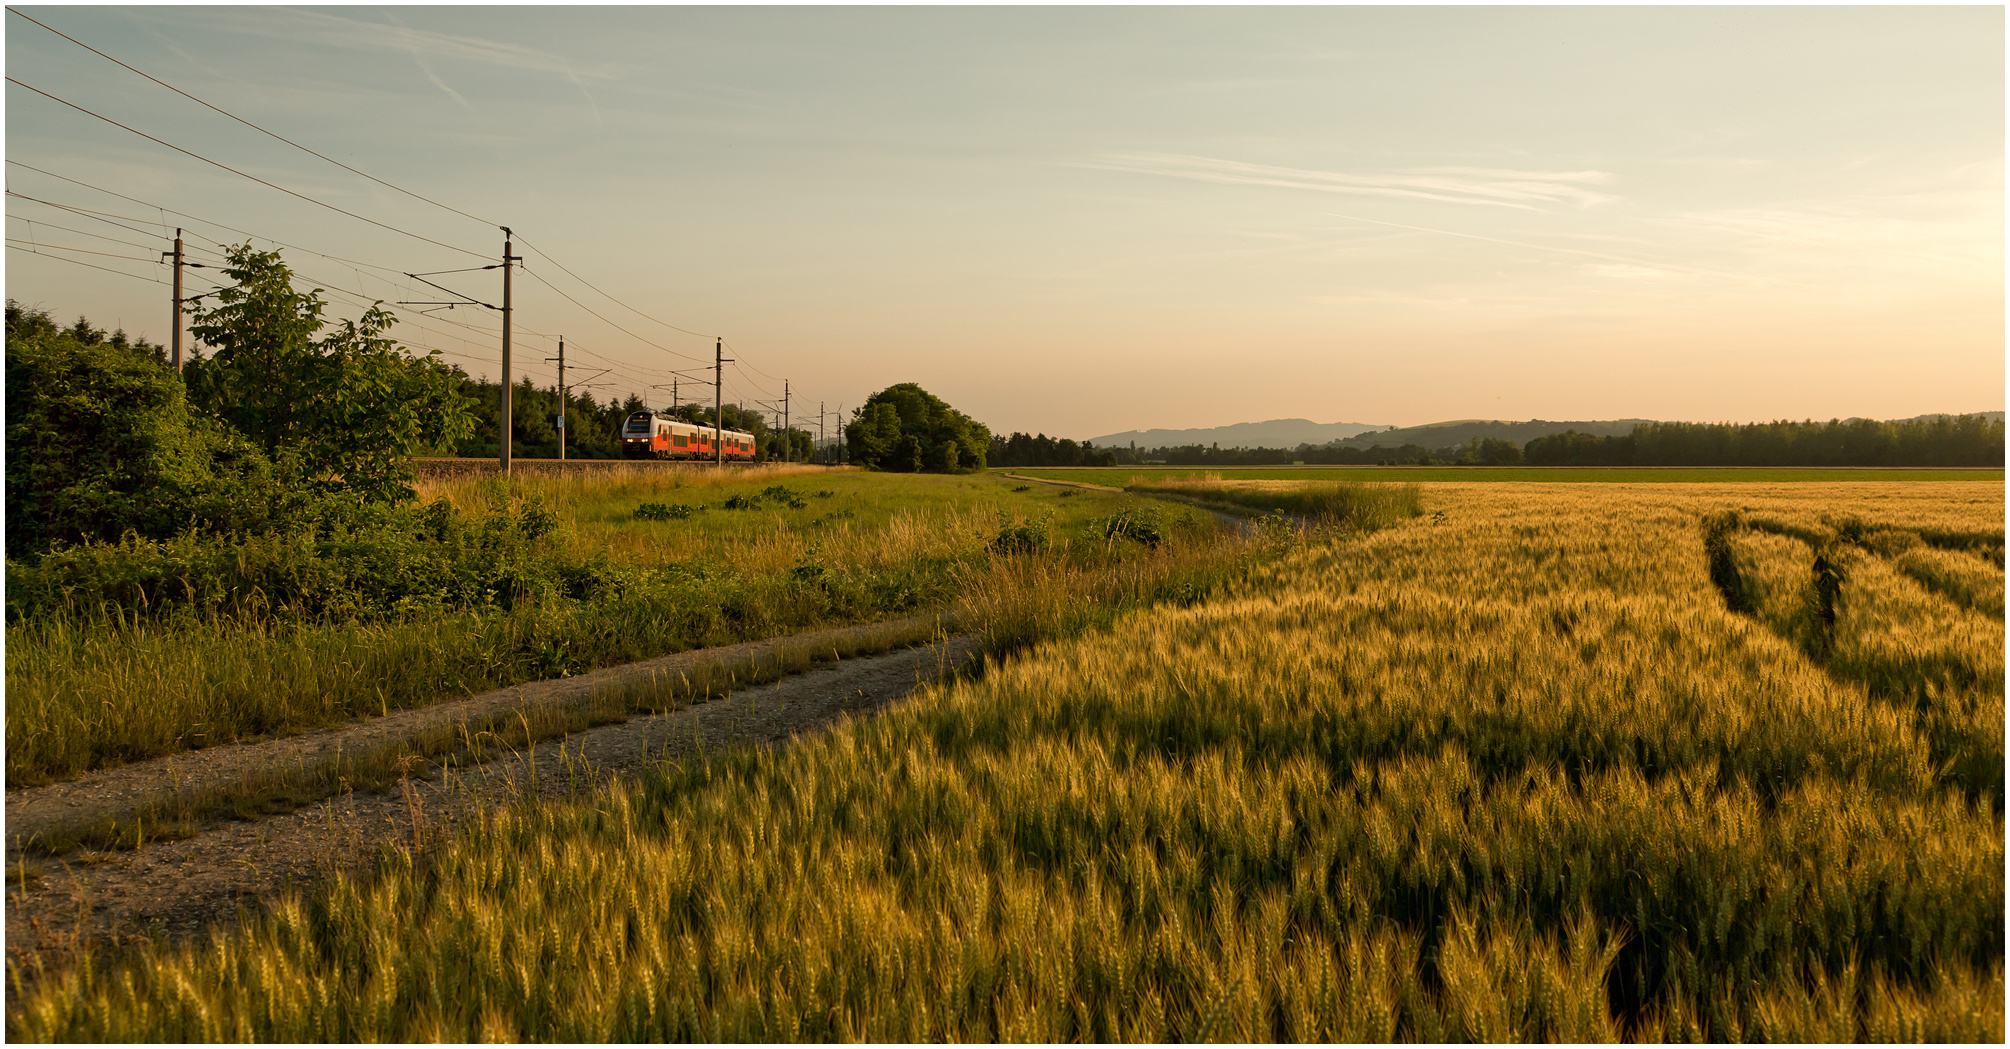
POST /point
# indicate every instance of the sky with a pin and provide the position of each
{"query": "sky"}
(1075, 221)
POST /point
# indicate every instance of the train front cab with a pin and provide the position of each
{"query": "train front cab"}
(639, 437)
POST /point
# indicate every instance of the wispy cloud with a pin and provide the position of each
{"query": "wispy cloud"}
(420, 60)
(1617, 265)
(581, 85)
(299, 25)
(1495, 187)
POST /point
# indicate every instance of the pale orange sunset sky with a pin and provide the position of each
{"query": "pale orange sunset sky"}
(1085, 220)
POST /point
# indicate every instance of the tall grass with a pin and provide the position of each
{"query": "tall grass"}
(1343, 504)
(1517, 774)
(180, 647)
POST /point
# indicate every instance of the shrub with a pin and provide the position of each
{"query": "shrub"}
(672, 512)
(1021, 537)
(101, 442)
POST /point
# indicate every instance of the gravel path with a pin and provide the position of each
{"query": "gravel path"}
(1242, 525)
(119, 791)
(57, 905)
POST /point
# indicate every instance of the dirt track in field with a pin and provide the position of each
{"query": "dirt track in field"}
(176, 889)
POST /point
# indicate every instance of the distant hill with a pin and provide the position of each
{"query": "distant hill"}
(1995, 417)
(1291, 433)
(1277, 433)
(1463, 431)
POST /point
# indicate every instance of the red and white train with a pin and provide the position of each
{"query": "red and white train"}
(655, 435)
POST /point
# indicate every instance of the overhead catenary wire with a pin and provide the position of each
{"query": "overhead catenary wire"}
(92, 265)
(534, 275)
(105, 217)
(249, 124)
(193, 218)
(353, 297)
(363, 174)
(79, 232)
(195, 246)
(35, 246)
(527, 244)
(604, 294)
(240, 174)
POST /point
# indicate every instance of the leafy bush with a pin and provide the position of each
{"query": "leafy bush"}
(1020, 537)
(366, 562)
(782, 494)
(101, 442)
(672, 512)
(1140, 525)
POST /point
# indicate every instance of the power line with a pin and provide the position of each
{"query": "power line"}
(750, 364)
(526, 243)
(105, 217)
(100, 217)
(107, 269)
(80, 232)
(58, 247)
(100, 189)
(249, 124)
(540, 279)
(610, 298)
(254, 178)
(364, 174)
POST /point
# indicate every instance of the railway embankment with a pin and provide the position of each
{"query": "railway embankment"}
(455, 469)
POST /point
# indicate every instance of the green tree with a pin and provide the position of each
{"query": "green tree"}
(905, 428)
(352, 404)
(101, 441)
(1491, 451)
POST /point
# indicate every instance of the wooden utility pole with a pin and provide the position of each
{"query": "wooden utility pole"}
(508, 420)
(174, 340)
(823, 443)
(561, 396)
(719, 362)
(788, 443)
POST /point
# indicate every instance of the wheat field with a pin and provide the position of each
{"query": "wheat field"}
(1638, 762)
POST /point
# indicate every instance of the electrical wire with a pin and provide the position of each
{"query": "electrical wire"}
(547, 257)
(107, 269)
(524, 241)
(102, 216)
(540, 279)
(86, 251)
(750, 364)
(248, 123)
(183, 214)
(254, 178)
(105, 217)
(364, 174)
(81, 232)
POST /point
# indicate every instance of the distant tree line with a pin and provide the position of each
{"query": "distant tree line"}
(1967, 440)
(592, 429)
(1041, 450)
